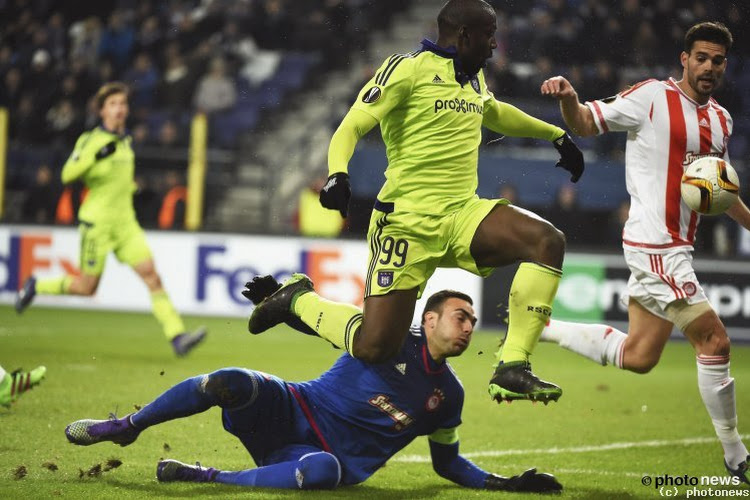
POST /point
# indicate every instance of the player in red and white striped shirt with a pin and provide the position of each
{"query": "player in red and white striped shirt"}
(669, 124)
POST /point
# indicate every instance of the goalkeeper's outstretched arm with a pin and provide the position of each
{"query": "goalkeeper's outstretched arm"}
(449, 464)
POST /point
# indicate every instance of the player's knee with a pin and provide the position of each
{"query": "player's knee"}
(550, 245)
(717, 343)
(229, 388)
(318, 471)
(639, 359)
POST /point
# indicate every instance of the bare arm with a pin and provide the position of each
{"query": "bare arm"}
(577, 117)
(740, 213)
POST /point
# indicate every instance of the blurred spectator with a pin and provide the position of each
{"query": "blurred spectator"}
(117, 40)
(616, 222)
(174, 202)
(149, 38)
(27, 126)
(143, 80)
(216, 91)
(84, 41)
(256, 65)
(509, 192)
(169, 135)
(177, 85)
(564, 214)
(12, 88)
(63, 123)
(145, 202)
(41, 199)
(312, 219)
(140, 135)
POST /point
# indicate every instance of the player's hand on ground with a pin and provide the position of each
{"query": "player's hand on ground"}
(571, 158)
(106, 150)
(259, 288)
(558, 87)
(336, 193)
(529, 482)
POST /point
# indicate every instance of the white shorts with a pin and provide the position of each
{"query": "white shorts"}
(657, 280)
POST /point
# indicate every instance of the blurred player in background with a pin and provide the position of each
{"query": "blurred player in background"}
(431, 105)
(669, 124)
(339, 428)
(12, 385)
(103, 159)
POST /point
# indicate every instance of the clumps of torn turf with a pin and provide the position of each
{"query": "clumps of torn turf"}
(96, 470)
(20, 472)
(51, 466)
(167, 448)
(112, 463)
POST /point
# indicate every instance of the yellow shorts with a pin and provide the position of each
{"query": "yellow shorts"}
(126, 239)
(406, 248)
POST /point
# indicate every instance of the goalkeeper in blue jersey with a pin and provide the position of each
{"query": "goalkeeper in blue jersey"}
(339, 428)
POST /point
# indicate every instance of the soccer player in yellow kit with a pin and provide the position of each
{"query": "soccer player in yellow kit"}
(431, 105)
(103, 159)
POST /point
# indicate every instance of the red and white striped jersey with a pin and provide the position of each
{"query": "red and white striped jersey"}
(667, 130)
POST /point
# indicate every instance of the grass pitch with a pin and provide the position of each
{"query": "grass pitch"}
(609, 429)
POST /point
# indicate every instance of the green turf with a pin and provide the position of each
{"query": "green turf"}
(100, 362)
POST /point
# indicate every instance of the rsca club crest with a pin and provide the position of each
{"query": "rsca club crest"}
(385, 279)
(475, 85)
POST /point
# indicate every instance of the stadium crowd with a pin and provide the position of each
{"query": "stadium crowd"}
(236, 60)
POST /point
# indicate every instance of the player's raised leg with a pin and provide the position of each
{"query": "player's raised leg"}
(12, 385)
(506, 235)
(339, 323)
(638, 351)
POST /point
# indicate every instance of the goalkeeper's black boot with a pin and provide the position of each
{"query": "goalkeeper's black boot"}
(277, 307)
(741, 471)
(26, 294)
(514, 380)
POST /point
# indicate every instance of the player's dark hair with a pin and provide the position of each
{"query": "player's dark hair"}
(110, 89)
(457, 13)
(437, 300)
(709, 31)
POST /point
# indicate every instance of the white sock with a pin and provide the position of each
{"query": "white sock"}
(717, 390)
(2, 372)
(600, 343)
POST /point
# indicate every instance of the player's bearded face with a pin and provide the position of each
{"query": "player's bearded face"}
(704, 67)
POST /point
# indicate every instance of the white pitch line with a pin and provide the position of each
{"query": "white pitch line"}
(572, 449)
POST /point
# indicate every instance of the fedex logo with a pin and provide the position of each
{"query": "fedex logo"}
(323, 266)
(27, 254)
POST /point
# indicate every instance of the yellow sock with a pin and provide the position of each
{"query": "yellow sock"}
(334, 321)
(531, 296)
(166, 314)
(54, 286)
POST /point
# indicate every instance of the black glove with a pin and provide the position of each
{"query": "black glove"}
(529, 482)
(106, 150)
(571, 158)
(260, 288)
(336, 193)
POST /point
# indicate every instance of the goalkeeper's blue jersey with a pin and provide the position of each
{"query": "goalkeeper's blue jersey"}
(365, 413)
